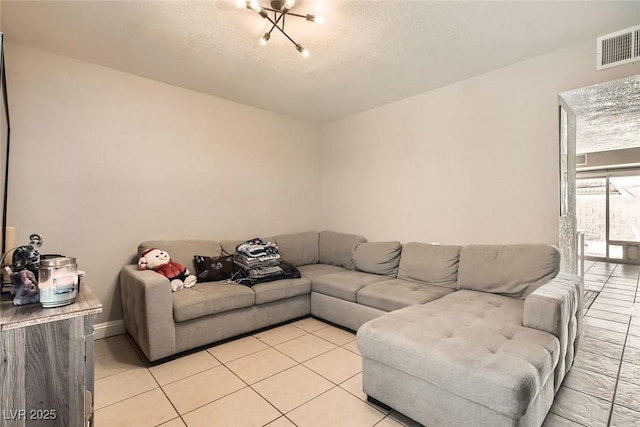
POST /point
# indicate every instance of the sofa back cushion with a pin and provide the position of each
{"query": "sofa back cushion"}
(510, 270)
(229, 246)
(183, 251)
(336, 248)
(377, 257)
(298, 248)
(432, 264)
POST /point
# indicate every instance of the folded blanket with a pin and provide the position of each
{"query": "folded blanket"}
(257, 248)
(288, 271)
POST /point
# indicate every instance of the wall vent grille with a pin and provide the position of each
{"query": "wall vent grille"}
(621, 47)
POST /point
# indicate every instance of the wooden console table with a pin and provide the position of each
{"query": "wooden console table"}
(46, 363)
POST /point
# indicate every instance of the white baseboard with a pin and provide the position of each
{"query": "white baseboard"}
(108, 329)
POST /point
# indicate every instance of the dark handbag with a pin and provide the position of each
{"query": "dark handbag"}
(209, 269)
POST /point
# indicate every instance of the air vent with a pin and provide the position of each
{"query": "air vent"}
(581, 159)
(621, 47)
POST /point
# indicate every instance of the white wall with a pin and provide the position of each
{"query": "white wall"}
(102, 160)
(473, 162)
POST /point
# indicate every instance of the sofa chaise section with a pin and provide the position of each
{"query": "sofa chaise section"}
(492, 353)
(464, 359)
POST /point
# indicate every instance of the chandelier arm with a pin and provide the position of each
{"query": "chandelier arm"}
(275, 24)
(297, 14)
(285, 34)
(288, 13)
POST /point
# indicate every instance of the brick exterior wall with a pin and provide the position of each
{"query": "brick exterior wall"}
(624, 217)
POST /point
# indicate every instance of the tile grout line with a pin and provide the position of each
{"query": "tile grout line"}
(624, 347)
(215, 400)
(333, 384)
(247, 385)
(297, 364)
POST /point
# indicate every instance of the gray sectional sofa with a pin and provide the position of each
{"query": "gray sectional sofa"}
(476, 335)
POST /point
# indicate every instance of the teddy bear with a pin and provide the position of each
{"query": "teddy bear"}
(159, 261)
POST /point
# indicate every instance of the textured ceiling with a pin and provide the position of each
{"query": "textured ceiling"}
(368, 53)
(607, 115)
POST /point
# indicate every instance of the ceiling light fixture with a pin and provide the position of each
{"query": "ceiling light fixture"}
(280, 9)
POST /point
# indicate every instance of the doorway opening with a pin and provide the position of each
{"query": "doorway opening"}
(600, 173)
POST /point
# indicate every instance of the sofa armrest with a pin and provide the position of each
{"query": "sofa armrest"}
(147, 307)
(548, 307)
(556, 308)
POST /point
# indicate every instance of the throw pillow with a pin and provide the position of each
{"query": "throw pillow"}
(209, 269)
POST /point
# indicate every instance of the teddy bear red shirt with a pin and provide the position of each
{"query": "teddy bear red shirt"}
(171, 270)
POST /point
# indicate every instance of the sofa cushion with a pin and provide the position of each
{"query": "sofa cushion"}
(398, 293)
(510, 270)
(298, 248)
(432, 264)
(210, 298)
(344, 284)
(336, 248)
(470, 343)
(313, 271)
(377, 257)
(183, 251)
(281, 289)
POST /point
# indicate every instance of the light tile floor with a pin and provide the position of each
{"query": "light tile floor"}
(603, 387)
(308, 373)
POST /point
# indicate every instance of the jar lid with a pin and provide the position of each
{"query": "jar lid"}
(57, 262)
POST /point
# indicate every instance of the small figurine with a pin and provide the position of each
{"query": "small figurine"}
(25, 287)
(27, 256)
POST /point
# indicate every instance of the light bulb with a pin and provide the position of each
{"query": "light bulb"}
(241, 3)
(265, 39)
(304, 52)
(315, 18)
(255, 6)
(288, 4)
